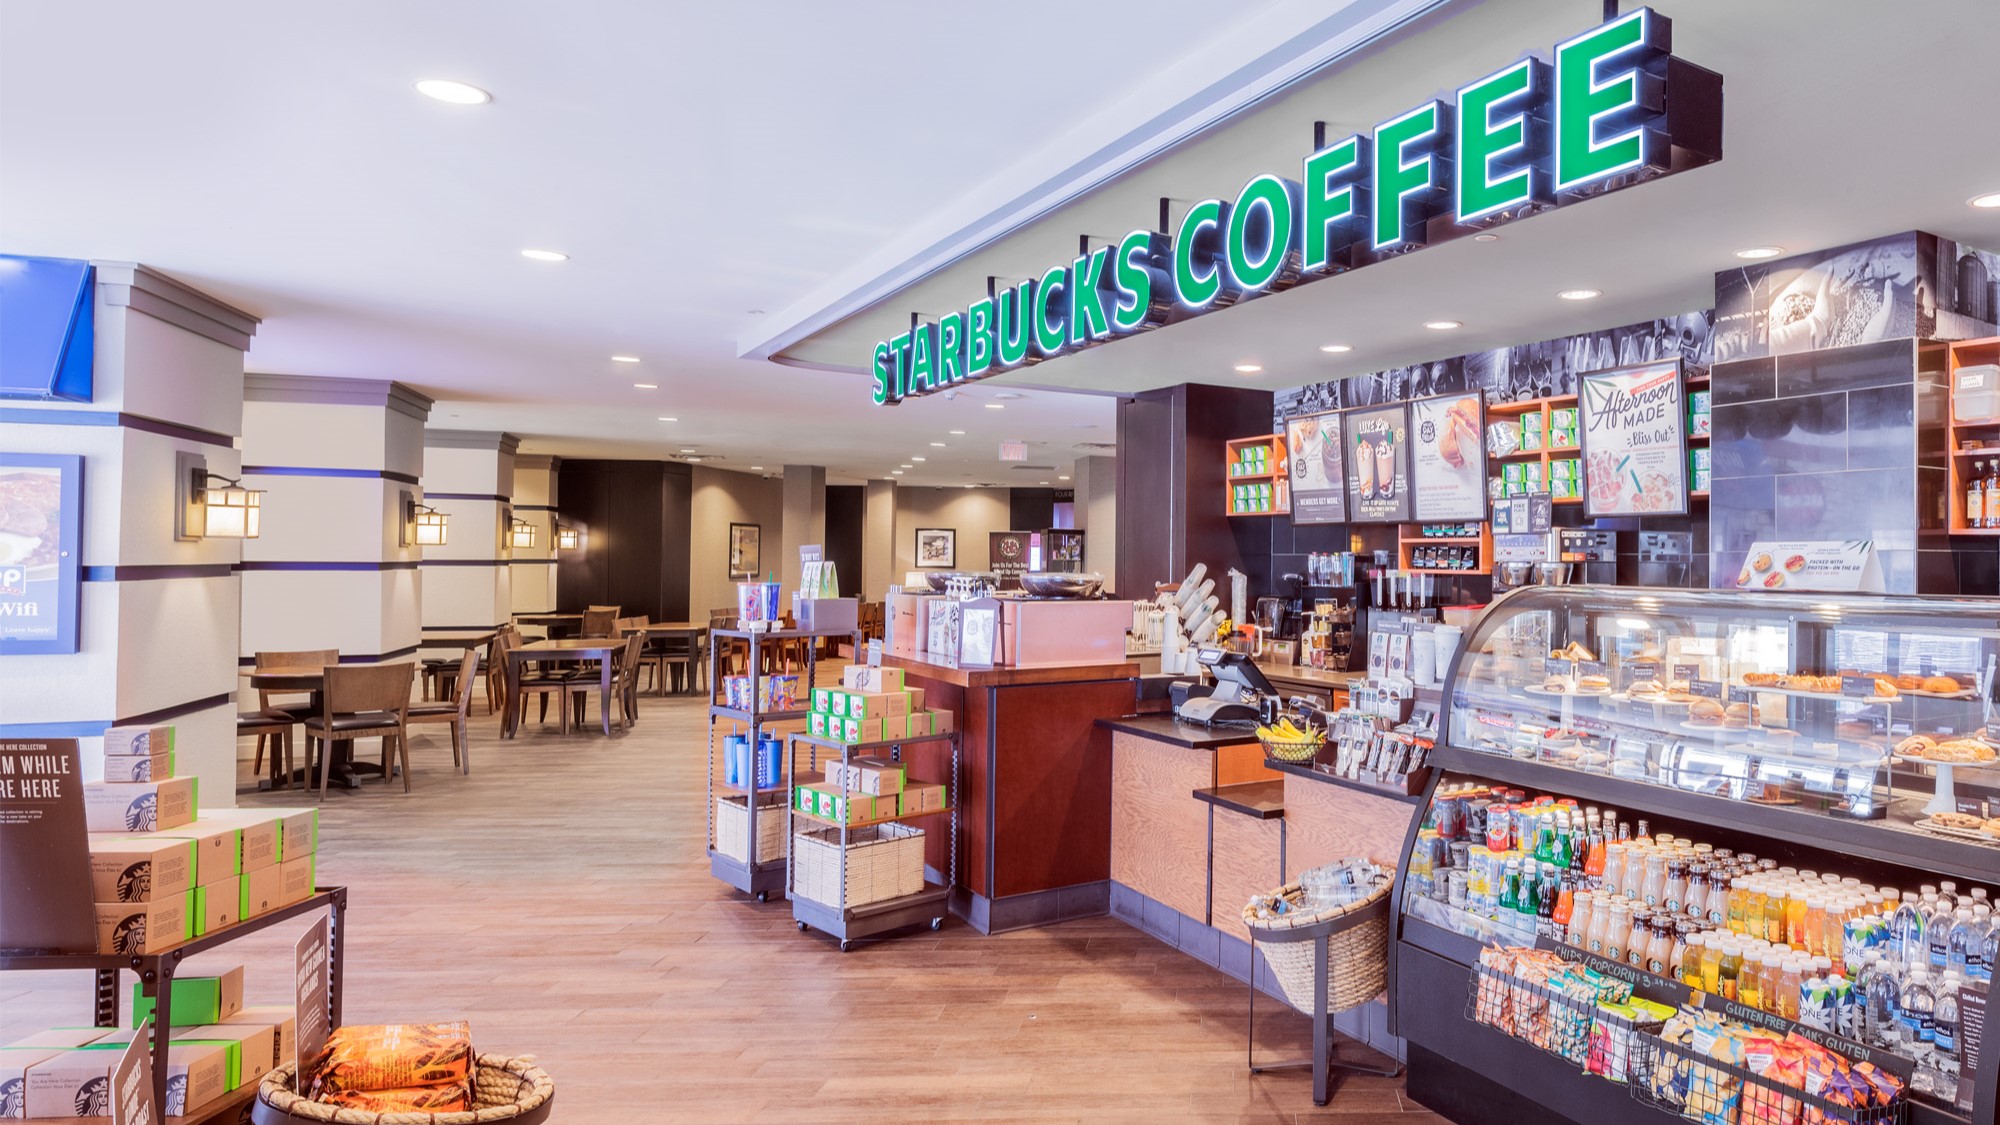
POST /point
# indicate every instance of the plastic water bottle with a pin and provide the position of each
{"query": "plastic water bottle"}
(1961, 946)
(1947, 1016)
(1989, 952)
(1977, 967)
(1906, 931)
(1919, 1012)
(1937, 932)
(1881, 997)
(1948, 894)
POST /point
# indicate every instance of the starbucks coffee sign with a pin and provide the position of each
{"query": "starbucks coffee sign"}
(1611, 108)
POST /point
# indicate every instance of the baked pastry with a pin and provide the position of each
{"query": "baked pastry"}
(1908, 683)
(1916, 746)
(1796, 563)
(1761, 563)
(1958, 820)
(1774, 580)
(1885, 688)
(1761, 679)
(1959, 751)
(1705, 713)
(1557, 684)
(1942, 685)
(1572, 651)
(1854, 728)
(1738, 716)
(1991, 827)
(1593, 683)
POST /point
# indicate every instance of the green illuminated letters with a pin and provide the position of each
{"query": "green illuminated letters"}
(979, 338)
(923, 368)
(1014, 330)
(1332, 208)
(899, 366)
(1139, 279)
(1483, 141)
(1087, 285)
(1583, 97)
(1050, 331)
(1407, 173)
(881, 371)
(1197, 274)
(951, 349)
(1259, 247)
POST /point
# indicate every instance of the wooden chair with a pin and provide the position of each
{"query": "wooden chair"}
(506, 640)
(599, 622)
(364, 701)
(725, 618)
(296, 708)
(276, 726)
(456, 712)
(681, 654)
(544, 680)
(624, 683)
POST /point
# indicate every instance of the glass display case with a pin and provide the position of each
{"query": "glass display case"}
(1863, 707)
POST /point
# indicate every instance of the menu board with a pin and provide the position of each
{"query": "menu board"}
(1634, 428)
(1378, 456)
(1448, 457)
(1319, 487)
(40, 520)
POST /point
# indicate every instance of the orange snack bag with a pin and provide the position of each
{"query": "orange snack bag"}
(455, 1098)
(393, 1056)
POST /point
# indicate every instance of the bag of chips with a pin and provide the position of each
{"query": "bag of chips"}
(453, 1098)
(393, 1056)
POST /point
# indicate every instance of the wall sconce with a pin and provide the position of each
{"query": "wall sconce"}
(567, 538)
(212, 506)
(523, 532)
(423, 526)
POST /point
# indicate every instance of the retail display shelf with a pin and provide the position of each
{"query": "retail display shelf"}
(718, 711)
(326, 896)
(847, 748)
(1262, 800)
(897, 819)
(1411, 793)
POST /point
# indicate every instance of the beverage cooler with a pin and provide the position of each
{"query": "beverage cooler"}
(1056, 549)
(1691, 855)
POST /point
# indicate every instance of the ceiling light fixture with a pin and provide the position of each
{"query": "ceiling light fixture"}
(1985, 202)
(1062, 478)
(914, 458)
(756, 468)
(1580, 294)
(939, 445)
(895, 472)
(545, 255)
(1754, 253)
(958, 433)
(694, 460)
(688, 449)
(624, 359)
(456, 93)
(1443, 325)
(646, 386)
(1248, 368)
(994, 406)
(1336, 349)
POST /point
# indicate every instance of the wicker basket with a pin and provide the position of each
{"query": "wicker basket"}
(503, 1089)
(881, 862)
(1293, 749)
(1359, 956)
(732, 829)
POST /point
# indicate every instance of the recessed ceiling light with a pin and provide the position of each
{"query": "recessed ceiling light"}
(1755, 252)
(1335, 349)
(1580, 294)
(687, 451)
(756, 468)
(664, 418)
(646, 386)
(457, 93)
(624, 359)
(972, 486)
(992, 406)
(1985, 202)
(1008, 394)
(545, 255)
(1041, 482)
(1062, 478)
(1248, 368)
(693, 459)
(909, 466)
(916, 458)
(958, 433)
(895, 472)
(1485, 238)
(1443, 325)
(939, 445)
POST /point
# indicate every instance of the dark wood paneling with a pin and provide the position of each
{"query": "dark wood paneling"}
(1052, 792)
(676, 526)
(846, 506)
(635, 516)
(1149, 463)
(1172, 478)
(1031, 509)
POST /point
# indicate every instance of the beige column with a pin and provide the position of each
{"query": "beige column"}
(805, 520)
(534, 584)
(468, 582)
(1096, 481)
(878, 540)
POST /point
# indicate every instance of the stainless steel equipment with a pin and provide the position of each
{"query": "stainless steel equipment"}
(1516, 555)
(1051, 584)
(1665, 558)
(1593, 555)
(940, 580)
(1273, 617)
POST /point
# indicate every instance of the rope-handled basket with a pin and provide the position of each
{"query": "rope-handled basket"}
(1294, 749)
(1357, 947)
(503, 1089)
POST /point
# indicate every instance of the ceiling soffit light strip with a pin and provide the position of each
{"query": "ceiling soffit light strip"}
(1613, 109)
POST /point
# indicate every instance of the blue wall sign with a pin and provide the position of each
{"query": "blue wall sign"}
(47, 331)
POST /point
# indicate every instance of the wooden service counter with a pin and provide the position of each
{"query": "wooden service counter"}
(1328, 688)
(1201, 821)
(1034, 787)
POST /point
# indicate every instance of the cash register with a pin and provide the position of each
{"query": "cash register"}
(1240, 692)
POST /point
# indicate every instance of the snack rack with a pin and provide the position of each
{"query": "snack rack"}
(852, 923)
(750, 875)
(156, 979)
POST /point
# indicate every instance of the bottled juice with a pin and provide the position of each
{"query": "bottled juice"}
(1729, 967)
(1791, 977)
(1796, 908)
(1755, 900)
(1750, 982)
(1741, 894)
(1691, 961)
(1774, 915)
(1711, 963)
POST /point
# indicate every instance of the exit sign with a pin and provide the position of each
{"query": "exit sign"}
(1013, 451)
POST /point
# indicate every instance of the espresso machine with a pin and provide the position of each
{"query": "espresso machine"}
(1592, 555)
(1527, 559)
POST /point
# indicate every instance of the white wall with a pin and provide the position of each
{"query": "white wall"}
(975, 513)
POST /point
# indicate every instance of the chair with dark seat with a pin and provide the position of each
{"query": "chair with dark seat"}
(364, 701)
(456, 711)
(276, 726)
(737, 650)
(624, 696)
(296, 708)
(674, 658)
(599, 622)
(506, 639)
(544, 679)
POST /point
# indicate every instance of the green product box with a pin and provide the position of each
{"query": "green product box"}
(1517, 488)
(1698, 459)
(1562, 489)
(816, 723)
(1563, 418)
(822, 700)
(1534, 474)
(252, 1047)
(197, 1000)
(1511, 472)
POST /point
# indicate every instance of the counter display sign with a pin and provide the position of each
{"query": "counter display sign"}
(1612, 107)
(1319, 482)
(45, 900)
(1634, 441)
(1832, 565)
(1007, 557)
(41, 498)
(1378, 455)
(1448, 457)
(312, 999)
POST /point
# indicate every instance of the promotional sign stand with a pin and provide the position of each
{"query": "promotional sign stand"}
(45, 900)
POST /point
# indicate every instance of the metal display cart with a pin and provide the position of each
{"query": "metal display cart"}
(156, 979)
(852, 923)
(749, 875)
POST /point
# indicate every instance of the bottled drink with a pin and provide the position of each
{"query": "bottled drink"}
(1715, 913)
(1677, 955)
(1750, 984)
(1617, 930)
(1948, 894)
(1576, 927)
(1673, 892)
(1645, 835)
(1975, 496)
(1881, 1022)
(1946, 1020)
(1937, 933)
(1660, 952)
(1729, 967)
(1791, 978)
(1906, 932)
(1600, 927)
(1961, 947)
(1639, 940)
(1545, 903)
(1989, 952)
(1528, 904)
(1919, 1010)
(1655, 884)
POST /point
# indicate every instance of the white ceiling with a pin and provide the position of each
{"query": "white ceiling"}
(696, 161)
(1841, 125)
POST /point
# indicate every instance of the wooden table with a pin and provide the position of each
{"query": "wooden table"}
(305, 677)
(573, 649)
(550, 621)
(698, 630)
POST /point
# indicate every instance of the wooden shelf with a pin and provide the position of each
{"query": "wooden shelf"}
(1443, 539)
(1967, 353)
(1278, 478)
(1252, 476)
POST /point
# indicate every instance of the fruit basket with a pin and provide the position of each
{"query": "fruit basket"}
(1288, 742)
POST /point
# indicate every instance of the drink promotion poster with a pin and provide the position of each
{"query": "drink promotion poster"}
(1634, 441)
(1378, 480)
(1448, 457)
(1319, 487)
(40, 520)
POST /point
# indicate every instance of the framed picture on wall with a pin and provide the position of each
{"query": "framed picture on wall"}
(937, 547)
(746, 542)
(41, 518)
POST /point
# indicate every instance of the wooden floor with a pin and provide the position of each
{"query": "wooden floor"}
(559, 899)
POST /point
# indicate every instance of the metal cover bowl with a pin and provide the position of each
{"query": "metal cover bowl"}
(941, 579)
(1049, 584)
